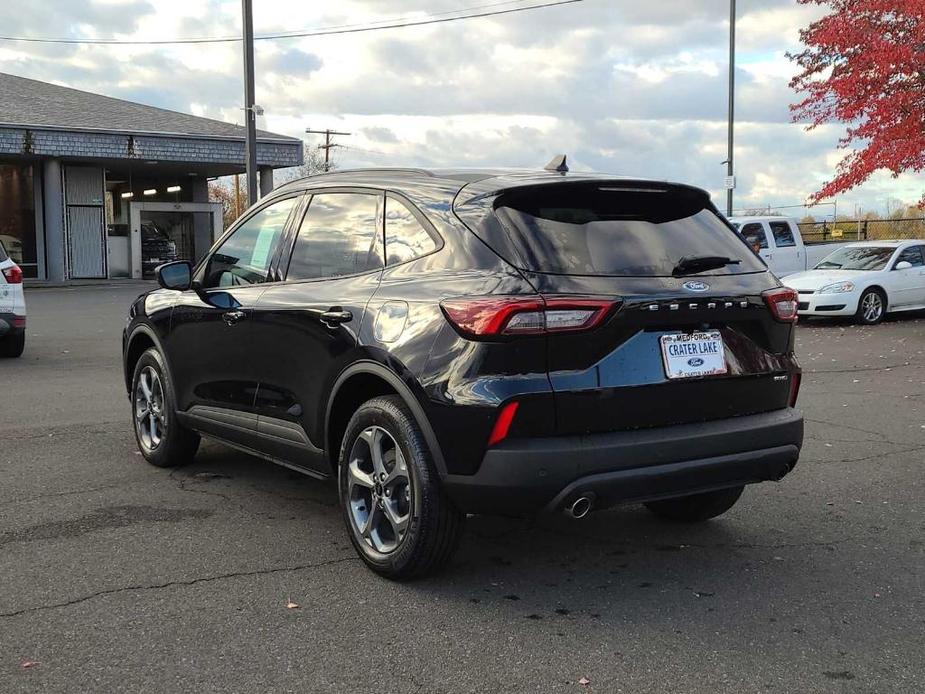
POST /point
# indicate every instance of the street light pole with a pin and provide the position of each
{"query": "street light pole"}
(250, 113)
(730, 168)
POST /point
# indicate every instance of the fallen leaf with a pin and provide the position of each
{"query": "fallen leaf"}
(26, 664)
(292, 605)
(584, 681)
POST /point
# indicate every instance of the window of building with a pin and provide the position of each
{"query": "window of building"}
(405, 238)
(17, 217)
(340, 235)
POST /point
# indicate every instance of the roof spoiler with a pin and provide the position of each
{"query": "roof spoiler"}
(557, 164)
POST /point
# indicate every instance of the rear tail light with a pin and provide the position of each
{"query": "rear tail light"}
(783, 303)
(516, 315)
(503, 423)
(19, 321)
(13, 274)
(794, 388)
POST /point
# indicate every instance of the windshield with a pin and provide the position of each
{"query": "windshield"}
(608, 231)
(857, 258)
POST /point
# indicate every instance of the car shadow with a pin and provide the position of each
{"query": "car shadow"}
(615, 565)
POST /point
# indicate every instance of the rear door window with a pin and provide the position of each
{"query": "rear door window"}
(783, 234)
(613, 231)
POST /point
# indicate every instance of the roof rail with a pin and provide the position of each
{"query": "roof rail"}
(407, 171)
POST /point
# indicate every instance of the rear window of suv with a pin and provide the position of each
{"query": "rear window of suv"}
(581, 229)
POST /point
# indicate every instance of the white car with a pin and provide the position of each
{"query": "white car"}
(866, 280)
(12, 308)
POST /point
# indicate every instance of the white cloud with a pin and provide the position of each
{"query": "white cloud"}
(621, 85)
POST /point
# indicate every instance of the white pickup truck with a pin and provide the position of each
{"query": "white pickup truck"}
(781, 244)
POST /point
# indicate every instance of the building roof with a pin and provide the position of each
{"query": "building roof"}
(33, 104)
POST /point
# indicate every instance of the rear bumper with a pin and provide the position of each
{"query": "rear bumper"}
(529, 475)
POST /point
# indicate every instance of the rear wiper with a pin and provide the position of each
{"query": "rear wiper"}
(687, 266)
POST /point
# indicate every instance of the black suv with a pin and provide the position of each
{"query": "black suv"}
(454, 342)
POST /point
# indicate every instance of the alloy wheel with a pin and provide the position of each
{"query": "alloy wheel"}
(379, 490)
(150, 422)
(872, 307)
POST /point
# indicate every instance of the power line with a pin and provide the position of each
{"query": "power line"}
(325, 31)
(283, 34)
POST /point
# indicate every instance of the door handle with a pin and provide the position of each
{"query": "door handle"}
(335, 316)
(232, 317)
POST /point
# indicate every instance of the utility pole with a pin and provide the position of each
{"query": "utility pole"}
(250, 110)
(327, 144)
(730, 168)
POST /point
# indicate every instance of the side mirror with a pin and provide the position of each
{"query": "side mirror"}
(903, 265)
(176, 275)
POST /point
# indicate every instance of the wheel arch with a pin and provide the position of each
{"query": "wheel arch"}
(355, 385)
(141, 339)
(880, 288)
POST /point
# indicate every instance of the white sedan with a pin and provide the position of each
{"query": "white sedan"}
(12, 307)
(866, 280)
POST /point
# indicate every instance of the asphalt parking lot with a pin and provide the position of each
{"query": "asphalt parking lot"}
(117, 576)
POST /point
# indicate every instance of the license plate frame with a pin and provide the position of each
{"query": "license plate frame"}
(696, 355)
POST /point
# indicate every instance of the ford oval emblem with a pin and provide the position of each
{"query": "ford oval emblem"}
(695, 361)
(696, 286)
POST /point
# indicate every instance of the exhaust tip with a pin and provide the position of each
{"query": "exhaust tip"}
(581, 507)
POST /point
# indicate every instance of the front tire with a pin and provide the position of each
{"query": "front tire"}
(871, 307)
(399, 519)
(696, 508)
(162, 440)
(12, 346)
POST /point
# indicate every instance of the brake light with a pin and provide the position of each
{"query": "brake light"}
(516, 315)
(19, 321)
(503, 423)
(795, 380)
(13, 274)
(783, 304)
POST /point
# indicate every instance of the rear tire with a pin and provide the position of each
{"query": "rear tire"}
(398, 518)
(871, 307)
(12, 346)
(696, 508)
(162, 440)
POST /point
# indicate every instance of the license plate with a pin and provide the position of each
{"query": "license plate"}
(694, 354)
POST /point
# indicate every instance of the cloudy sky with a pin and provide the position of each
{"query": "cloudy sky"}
(623, 86)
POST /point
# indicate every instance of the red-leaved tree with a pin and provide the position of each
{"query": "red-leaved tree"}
(864, 65)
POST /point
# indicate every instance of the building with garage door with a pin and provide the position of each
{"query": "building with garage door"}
(94, 187)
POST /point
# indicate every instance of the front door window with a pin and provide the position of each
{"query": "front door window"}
(245, 256)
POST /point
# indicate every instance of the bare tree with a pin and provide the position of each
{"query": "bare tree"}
(314, 164)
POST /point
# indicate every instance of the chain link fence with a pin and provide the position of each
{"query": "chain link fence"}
(863, 230)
